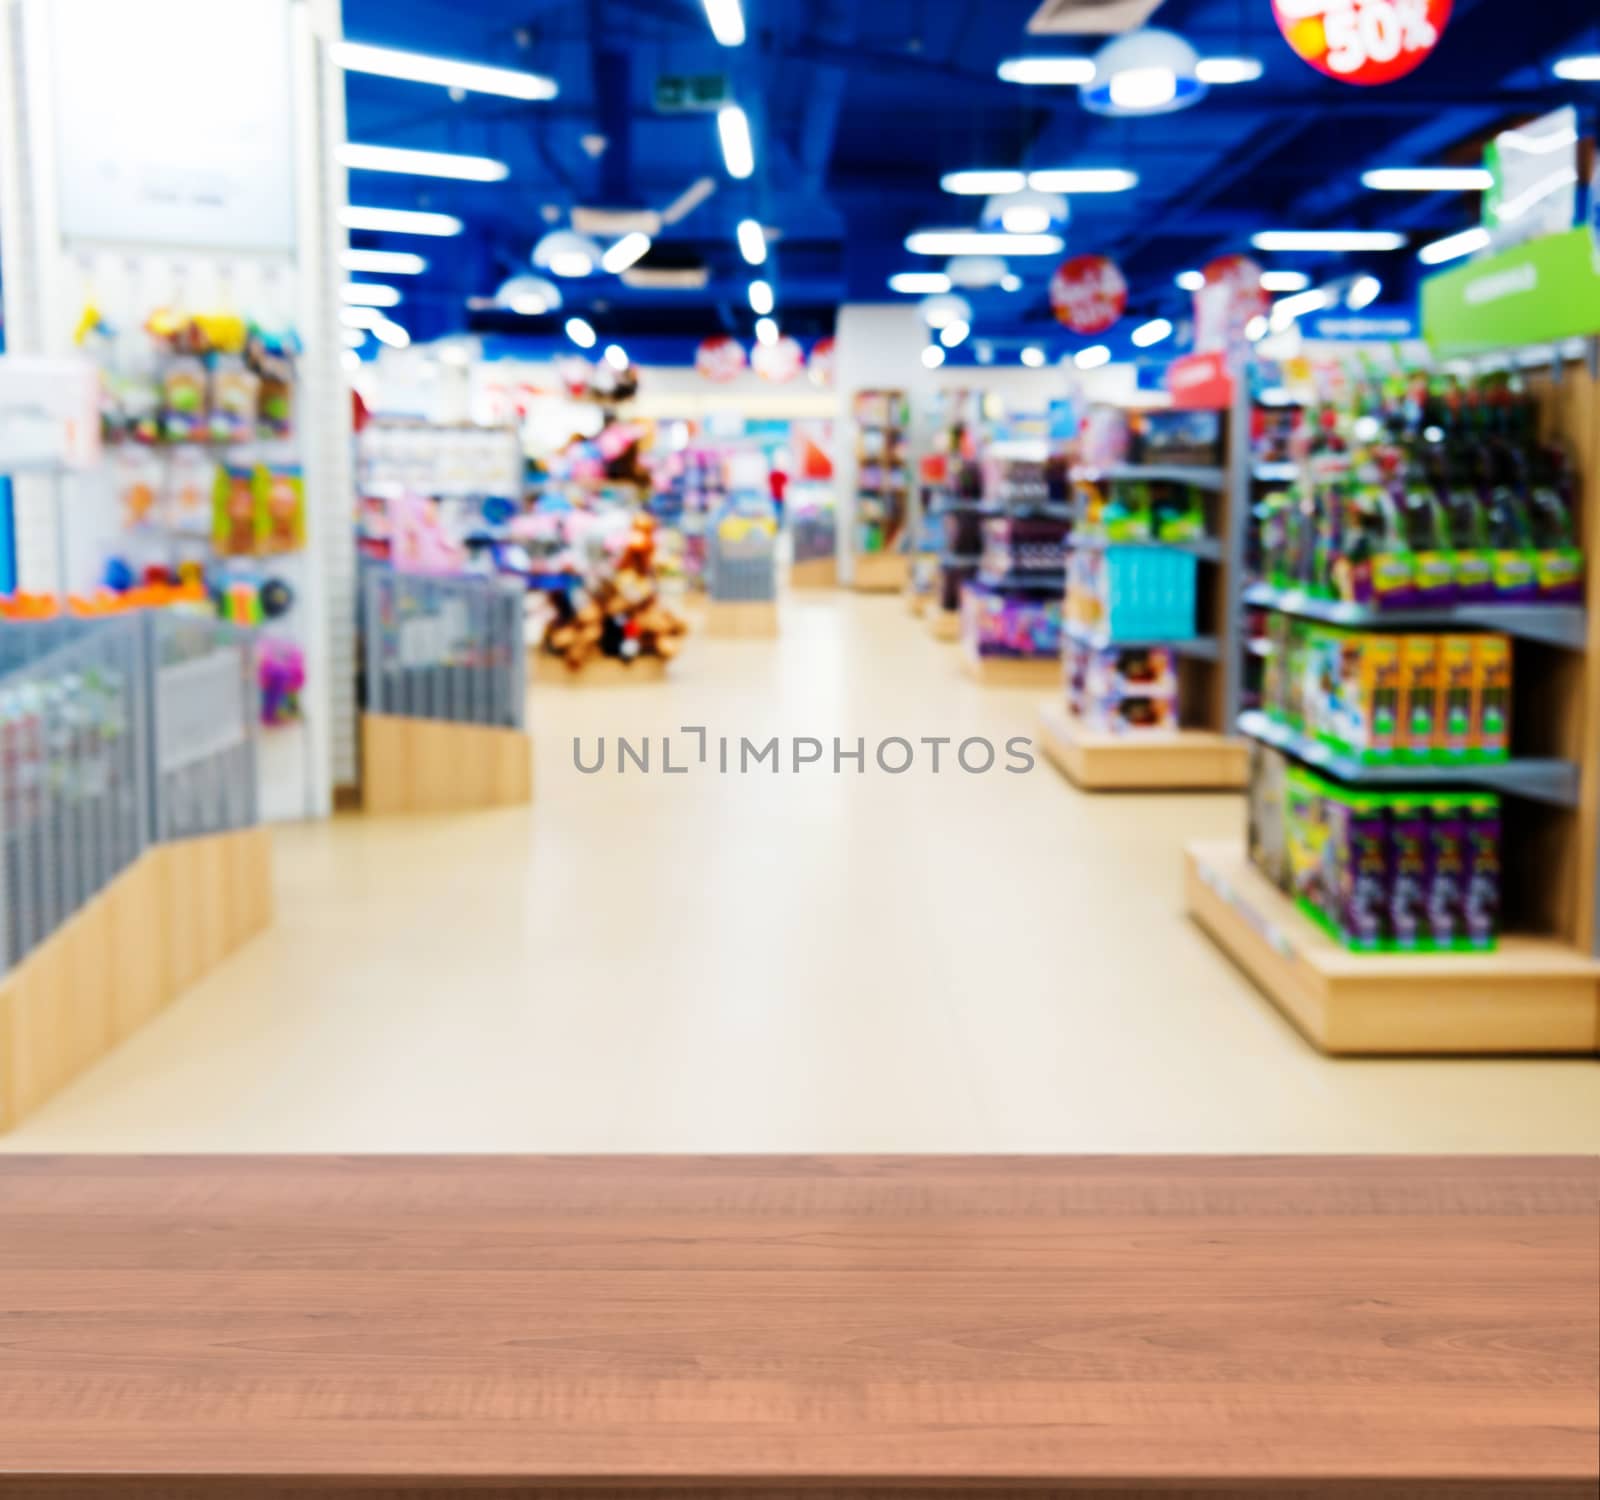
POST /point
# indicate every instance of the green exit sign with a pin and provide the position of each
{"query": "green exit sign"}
(677, 93)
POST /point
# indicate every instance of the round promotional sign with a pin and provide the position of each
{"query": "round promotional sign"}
(779, 361)
(1088, 293)
(820, 366)
(1362, 41)
(719, 358)
(1242, 277)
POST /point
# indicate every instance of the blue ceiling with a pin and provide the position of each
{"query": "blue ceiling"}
(858, 108)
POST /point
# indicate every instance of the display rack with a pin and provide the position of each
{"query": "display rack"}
(1011, 603)
(1202, 752)
(1538, 990)
(443, 723)
(883, 491)
(131, 860)
(741, 570)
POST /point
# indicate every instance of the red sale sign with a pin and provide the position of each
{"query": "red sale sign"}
(820, 366)
(719, 358)
(1362, 41)
(1088, 293)
(1201, 382)
(779, 361)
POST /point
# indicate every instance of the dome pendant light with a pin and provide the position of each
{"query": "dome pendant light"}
(972, 273)
(531, 296)
(564, 252)
(1148, 72)
(1026, 212)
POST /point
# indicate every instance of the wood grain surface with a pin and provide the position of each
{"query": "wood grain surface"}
(1390, 1326)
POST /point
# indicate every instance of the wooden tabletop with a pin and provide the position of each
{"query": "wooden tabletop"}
(1325, 1326)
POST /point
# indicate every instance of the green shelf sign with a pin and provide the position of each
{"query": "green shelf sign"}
(685, 93)
(1535, 293)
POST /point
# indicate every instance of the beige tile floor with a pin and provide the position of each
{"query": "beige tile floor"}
(707, 963)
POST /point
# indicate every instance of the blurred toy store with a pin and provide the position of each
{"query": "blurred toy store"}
(681, 576)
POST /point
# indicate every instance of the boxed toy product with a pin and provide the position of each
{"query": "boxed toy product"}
(1491, 677)
(1123, 689)
(1305, 834)
(1458, 711)
(1355, 883)
(1354, 682)
(1000, 623)
(1419, 696)
(1481, 906)
(1410, 873)
(1269, 770)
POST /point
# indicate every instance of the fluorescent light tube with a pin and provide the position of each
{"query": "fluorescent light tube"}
(1331, 240)
(616, 356)
(1582, 69)
(400, 221)
(1152, 332)
(919, 283)
(1284, 281)
(391, 333)
(1454, 246)
(752, 242)
(727, 21)
(628, 250)
(580, 333)
(766, 331)
(1228, 70)
(979, 182)
(422, 163)
(1092, 357)
(369, 294)
(1047, 70)
(981, 242)
(733, 128)
(1033, 357)
(954, 332)
(384, 262)
(760, 297)
(1082, 180)
(1365, 291)
(932, 357)
(1190, 281)
(415, 67)
(1285, 312)
(1427, 179)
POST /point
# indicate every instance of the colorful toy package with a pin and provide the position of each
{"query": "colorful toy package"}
(280, 508)
(1391, 872)
(998, 623)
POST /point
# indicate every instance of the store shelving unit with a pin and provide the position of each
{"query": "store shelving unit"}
(1561, 625)
(1533, 994)
(883, 505)
(1206, 754)
(1539, 991)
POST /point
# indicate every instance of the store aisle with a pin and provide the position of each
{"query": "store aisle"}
(790, 962)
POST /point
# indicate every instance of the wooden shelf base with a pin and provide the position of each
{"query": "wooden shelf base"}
(944, 624)
(1534, 995)
(1012, 671)
(881, 572)
(162, 925)
(814, 573)
(598, 671)
(433, 766)
(1189, 760)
